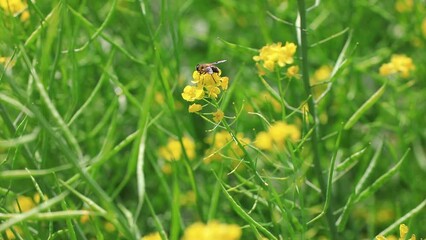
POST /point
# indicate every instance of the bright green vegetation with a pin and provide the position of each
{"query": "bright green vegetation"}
(91, 113)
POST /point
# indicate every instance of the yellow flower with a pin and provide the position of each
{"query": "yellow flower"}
(399, 64)
(109, 227)
(24, 204)
(275, 53)
(212, 231)
(263, 141)
(173, 151)
(403, 230)
(15, 7)
(11, 235)
(187, 198)
(321, 75)
(223, 141)
(152, 236)
(424, 27)
(218, 116)
(404, 5)
(212, 91)
(277, 134)
(191, 93)
(195, 108)
(293, 72)
(387, 69)
(206, 84)
(224, 81)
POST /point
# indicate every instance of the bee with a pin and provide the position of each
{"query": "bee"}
(209, 68)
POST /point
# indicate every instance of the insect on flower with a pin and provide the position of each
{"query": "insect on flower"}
(209, 68)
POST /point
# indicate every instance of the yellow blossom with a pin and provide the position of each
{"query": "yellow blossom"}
(222, 140)
(293, 72)
(399, 64)
(424, 27)
(218, 116)
(15, 7)
(195, 108)
(404, 5)
(109, 227)
(173, 151)
(152, 236)
(191, 93)
(212, 231)
(11, 235)
(321, 75)
(267, 98)
(212, 91)
(7, 61)
(263, 141)
(159, 98)
(277, 134)
(403, 230)
(187, 198)
(275, 53)
(224, 81)
(24, 204)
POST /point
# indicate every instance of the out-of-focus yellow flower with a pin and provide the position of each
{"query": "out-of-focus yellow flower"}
(403, 231)
(187, 198)
(276, 54)
(15, 7)
(212, 231)
(152, 236)
(85, 218)
(109, 227)
(263, 141)
(267, 98)
(222, 142)
(195, 108)
(404, 5)
(218, 116)
(276, 135)
(400, 64)
(173, 151)
(191, 93)
(11, 235)
(293, 72)
(24, 204)
(322, 74)
(424, 27)
(7, 61)
(159, 98)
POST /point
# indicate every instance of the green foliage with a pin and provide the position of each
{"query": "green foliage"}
(97, 141)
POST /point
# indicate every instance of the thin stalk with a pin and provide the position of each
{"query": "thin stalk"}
(303, 45)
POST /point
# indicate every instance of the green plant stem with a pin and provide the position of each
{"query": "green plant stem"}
(303, 44)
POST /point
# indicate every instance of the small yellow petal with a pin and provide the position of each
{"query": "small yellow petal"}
(194, 108)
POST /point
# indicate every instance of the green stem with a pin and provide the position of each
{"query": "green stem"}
(312, 110)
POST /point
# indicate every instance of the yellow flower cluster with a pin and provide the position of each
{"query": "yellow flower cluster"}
(15, 7)
(273, 54)
(206, 85)
(212, 231)
(403, 231)
(399, 64)
(173, 150)
(276, 135)
(220, 141)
